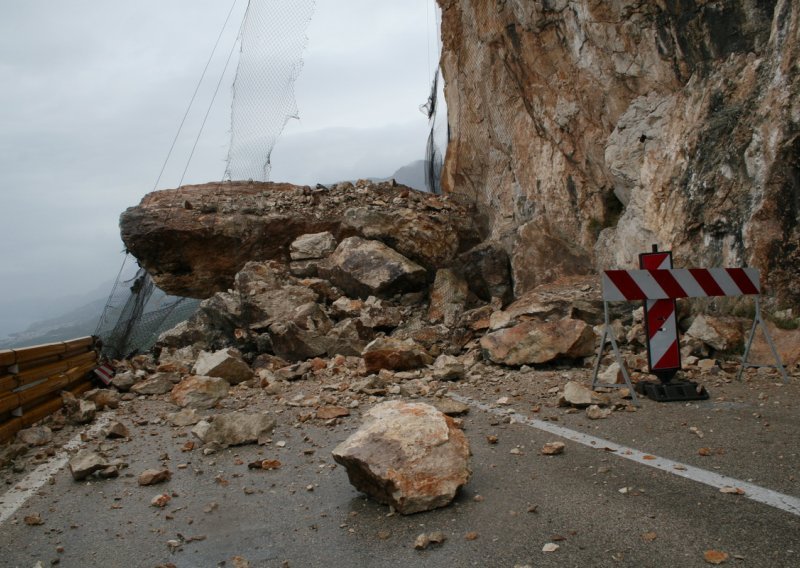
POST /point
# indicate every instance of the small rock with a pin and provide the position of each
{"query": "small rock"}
(35, 436)
(124, 381)
(160, 500)
(117, 430)
(85, 463)
(594, 412)
(550, 547)
(78, 411)
(450, 407)
(394, 354)
(577, 395)
(103, 398)
(235, 428)
(448, 368)
(185, 417)
(160, 383)
(612, 375)
(330, 412)
(153, 476)
(553, 448)
(33, 520)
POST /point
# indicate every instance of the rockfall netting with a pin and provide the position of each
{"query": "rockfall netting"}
(137, 312)
(436, 110)
(272, 42)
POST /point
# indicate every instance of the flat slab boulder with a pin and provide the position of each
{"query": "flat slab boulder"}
(226, 364)
(363, 268)
(235, 428)
(199, 392)
(394, 354)
(407, 455)
(534, 342)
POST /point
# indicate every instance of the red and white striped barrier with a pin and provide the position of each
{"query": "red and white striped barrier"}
(630, 285)
(661, 321)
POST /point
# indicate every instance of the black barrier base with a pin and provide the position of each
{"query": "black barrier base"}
(677, 391)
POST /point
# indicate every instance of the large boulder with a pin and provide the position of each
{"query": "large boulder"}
(194, 239)
(200, 392)
(407, 455)
(534, 342)
(363, 268)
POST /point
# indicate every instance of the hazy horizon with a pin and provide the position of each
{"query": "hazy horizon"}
(93, 95)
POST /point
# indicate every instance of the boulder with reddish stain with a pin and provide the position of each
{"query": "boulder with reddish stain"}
(394, 354)
(534, 342)
(407, 455)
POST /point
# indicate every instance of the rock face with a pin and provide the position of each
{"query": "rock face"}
(584, 131)
(194, 239)
(407, 455)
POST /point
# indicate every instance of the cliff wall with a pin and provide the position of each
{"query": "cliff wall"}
(584, 131)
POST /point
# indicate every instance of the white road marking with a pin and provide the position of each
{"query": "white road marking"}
(751, 491)
(14, 498)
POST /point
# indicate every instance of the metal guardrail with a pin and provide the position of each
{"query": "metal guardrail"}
(32, 378)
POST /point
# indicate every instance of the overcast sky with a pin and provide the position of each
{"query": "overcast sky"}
(93, 92)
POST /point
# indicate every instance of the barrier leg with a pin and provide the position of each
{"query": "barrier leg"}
(607, 331)
(758, 320)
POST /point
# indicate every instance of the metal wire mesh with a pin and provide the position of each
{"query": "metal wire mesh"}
(439, 134)
(272, 43)
(137, 312)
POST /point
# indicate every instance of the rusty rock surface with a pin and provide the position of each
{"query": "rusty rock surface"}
(407, 455)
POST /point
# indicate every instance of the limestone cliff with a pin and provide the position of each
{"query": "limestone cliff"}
(585, 130)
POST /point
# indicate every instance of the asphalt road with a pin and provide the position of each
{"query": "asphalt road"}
(307, 514)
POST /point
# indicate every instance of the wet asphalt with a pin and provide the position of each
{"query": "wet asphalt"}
(306, 513)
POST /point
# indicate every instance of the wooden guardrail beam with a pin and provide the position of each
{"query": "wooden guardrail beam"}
(32, 378)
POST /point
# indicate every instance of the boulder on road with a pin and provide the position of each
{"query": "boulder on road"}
(85, 463)
(235, 428)
(407, 455)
